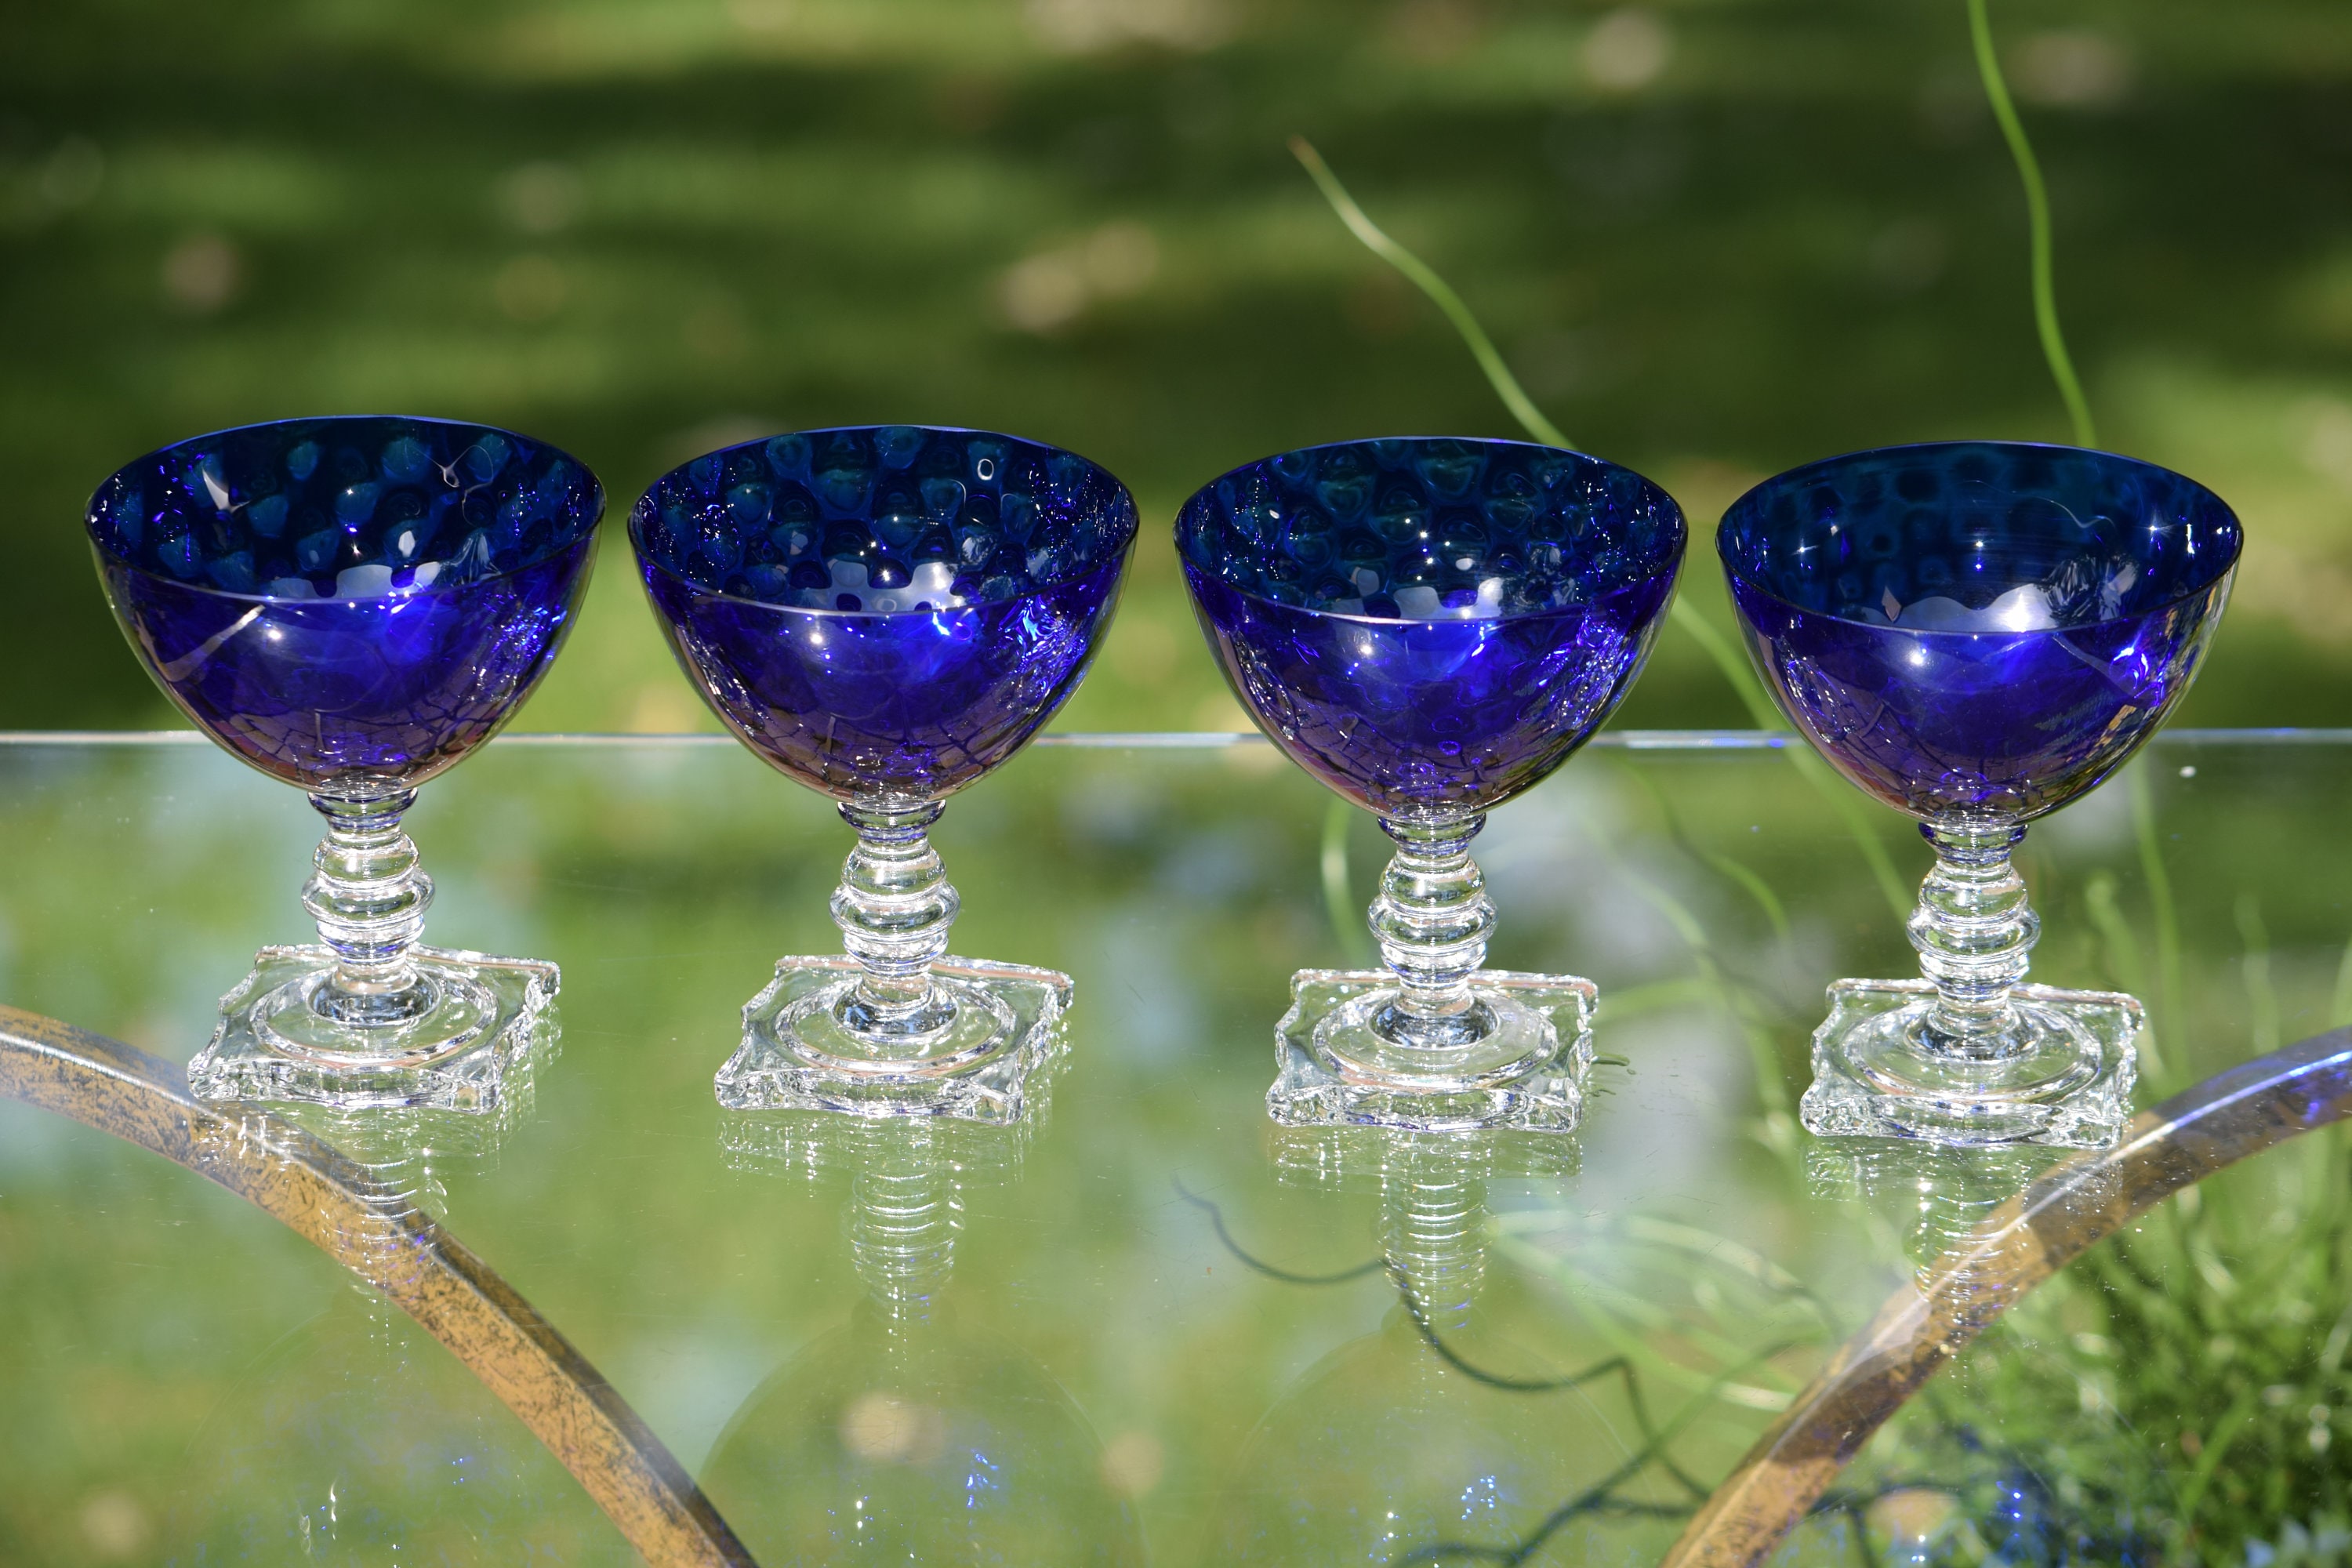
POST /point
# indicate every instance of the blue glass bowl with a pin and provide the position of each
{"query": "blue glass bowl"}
(1429, 626)
(351, 598)
(1979, 629)
(884, 612)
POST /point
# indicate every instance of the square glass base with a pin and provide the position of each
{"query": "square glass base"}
(796, 1057)
(2068, 1084)
(484, 1026)
(1537, 1083)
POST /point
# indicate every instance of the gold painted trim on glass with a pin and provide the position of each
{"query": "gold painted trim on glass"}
(323, 1197)
(2062, 1213)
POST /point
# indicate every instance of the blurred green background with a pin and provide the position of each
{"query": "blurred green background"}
(1714, 238)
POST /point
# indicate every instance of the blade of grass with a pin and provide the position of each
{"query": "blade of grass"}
(2208, 1459)
(2160, 904)
(1693, 1244)
(1605, 1311)
(2037, 216)
(1725, 657)
(2340, 1002)
(2262, 996)
(2124, 959)
(1778, 1127)
(1899, 898)
(1722, 865)
(1809, 767)
(1619, 1003)
(1339, 903)
(1498, 375)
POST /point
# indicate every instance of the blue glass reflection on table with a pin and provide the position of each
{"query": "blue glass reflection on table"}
(1430, 627)
(352, 604)
(1976, 633)
(884, 615)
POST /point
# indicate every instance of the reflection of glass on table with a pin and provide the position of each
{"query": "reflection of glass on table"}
(909, 1432)
(1688, 1236)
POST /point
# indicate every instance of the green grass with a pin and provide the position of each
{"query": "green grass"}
(638, 229)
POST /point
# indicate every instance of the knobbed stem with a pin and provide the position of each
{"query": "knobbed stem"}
(1973, 928)
(1432, 919)
(1433, 1212)
(902, 1230)
(369, 898)
(894, 908)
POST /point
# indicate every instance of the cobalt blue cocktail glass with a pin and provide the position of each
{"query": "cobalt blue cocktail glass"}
(1975, 632)
(1430, 627)
(884, 615)
(352, 604)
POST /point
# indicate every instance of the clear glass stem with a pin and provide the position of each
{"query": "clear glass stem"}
(894, 908)
(1433, 920)
(369, 897)
(902, 1229)
(1432, 1214)
(1974, 930)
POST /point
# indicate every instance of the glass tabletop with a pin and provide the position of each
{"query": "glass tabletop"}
(1149, 1326)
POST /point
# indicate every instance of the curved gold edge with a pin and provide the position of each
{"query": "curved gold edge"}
(317, 1192)
(2242, 1111)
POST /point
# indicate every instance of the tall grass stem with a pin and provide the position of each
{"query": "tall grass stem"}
(1340, 904)
(1711, 642)
(2037, 218)
(1498, 375)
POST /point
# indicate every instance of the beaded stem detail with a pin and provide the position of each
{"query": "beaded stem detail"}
(369, 897)
(1432, 919)
(1434, 1205)
(902, 1232)
(894, 908)
(1974, 930)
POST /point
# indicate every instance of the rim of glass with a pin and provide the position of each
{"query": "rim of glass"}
(1672, 565)
(587, 535)
(2206, 586)
(1116, 559)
